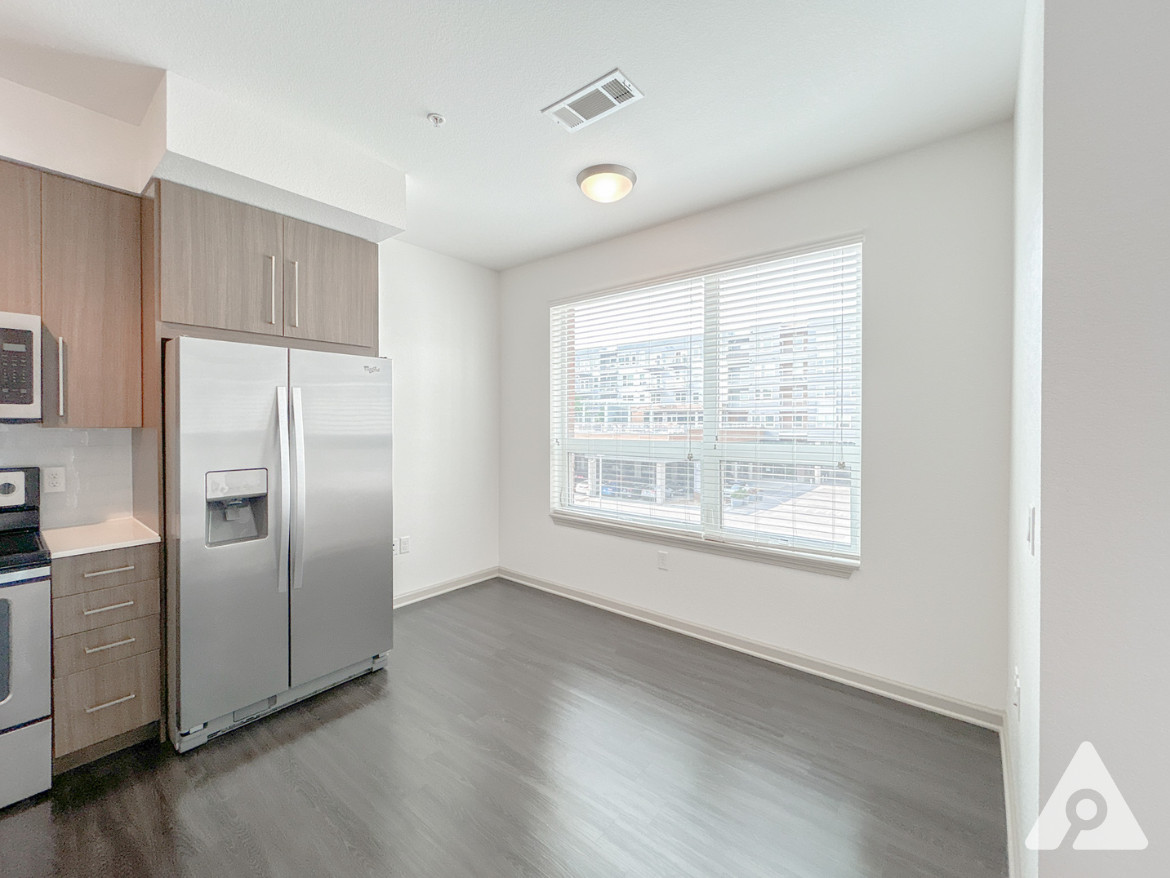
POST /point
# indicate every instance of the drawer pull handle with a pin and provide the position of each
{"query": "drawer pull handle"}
(89, 650)
(110, 703)
(107, 609)
(108, 572)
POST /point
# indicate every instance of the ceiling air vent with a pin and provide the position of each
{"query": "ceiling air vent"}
(595, 101)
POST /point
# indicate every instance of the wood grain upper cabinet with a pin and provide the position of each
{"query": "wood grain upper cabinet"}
(20, 239)
(91, 297)
(330, 285)
(219, 262)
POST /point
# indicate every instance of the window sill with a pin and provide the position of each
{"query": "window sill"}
(650, 534)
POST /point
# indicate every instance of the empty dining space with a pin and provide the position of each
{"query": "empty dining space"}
(519, 733)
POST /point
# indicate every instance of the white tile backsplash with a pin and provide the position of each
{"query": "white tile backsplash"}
(98, 481)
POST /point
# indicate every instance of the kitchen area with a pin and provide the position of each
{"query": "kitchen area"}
(195, 468)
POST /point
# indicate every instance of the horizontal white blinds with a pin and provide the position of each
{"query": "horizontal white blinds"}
(628, 403)
(726, 404)
(625, 361)
(788, 405)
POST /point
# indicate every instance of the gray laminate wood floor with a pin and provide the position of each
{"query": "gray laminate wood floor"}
(517, 733)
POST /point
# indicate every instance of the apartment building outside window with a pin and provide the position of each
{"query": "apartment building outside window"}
(719, 409)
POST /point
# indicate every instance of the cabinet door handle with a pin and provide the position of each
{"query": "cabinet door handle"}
(60, 377)
(296, 293)
(98, 707)
(272, 298)
(90, 650)
(108, 572)
(107, 609)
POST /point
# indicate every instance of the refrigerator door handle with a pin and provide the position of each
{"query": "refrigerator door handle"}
(285, 488)
(298, 536)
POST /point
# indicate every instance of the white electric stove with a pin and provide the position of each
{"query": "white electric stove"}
(26, 727)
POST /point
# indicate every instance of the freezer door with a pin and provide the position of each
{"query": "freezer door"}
(342, 586)
(228, 594)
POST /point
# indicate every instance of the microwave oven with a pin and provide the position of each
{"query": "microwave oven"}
(20, 367)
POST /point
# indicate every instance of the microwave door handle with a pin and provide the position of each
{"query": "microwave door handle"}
(298, 539)
(285, 487)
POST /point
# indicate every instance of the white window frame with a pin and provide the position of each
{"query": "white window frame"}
(709, 536)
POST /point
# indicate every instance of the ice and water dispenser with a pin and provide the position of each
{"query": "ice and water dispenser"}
(237, 506)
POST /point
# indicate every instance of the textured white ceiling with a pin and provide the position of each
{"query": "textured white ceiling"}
(741, 95)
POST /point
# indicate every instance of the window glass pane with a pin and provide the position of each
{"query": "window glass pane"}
(632, 366)
(788, 400)
(665, 491)
(790, 350)
(787, 503)
(728, 403)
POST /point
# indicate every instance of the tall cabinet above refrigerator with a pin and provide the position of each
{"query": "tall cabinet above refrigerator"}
(279, 528)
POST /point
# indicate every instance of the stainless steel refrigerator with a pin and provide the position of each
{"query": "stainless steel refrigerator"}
(279, 528)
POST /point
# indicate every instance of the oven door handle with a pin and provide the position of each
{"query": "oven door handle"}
(22, 577)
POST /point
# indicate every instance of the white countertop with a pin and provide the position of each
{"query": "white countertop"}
(117, 533)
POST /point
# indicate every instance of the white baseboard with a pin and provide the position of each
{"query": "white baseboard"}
(975, 714)
(430, 591)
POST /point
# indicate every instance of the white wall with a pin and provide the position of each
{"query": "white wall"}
(439, 324)
(248, 153)
(97, 470)
(1022, 729)
(192, 135)
(1105, 471)
(46, 131)
(928, 608)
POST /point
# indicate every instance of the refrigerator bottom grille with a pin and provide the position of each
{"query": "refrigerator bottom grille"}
(185, 741)
(254, 710)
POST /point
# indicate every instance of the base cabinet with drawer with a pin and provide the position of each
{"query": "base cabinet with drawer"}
(106, 649)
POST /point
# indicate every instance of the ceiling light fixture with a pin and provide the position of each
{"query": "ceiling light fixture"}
(606, 183)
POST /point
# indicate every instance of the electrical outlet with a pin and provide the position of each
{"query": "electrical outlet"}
(54, 479)
(404, 545)
(661, 560)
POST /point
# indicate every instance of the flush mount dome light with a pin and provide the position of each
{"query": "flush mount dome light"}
(606, 183)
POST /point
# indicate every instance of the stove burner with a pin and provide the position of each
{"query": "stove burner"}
(20, 540)
(22, 548)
